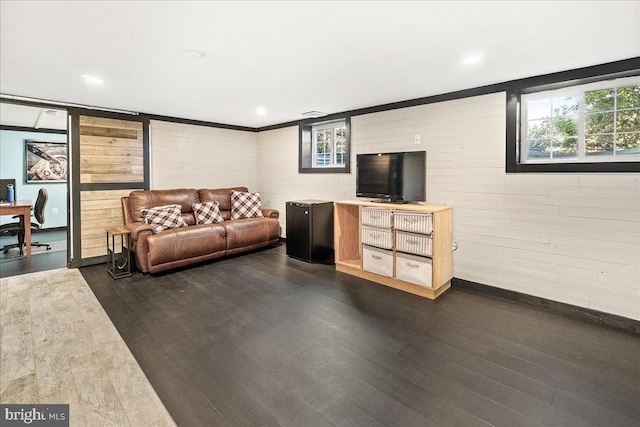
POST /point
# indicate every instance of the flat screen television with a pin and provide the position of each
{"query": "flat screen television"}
(392, 177)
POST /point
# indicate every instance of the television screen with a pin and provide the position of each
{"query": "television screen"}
(392, 176)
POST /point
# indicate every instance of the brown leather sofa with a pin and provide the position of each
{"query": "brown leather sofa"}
(178, 247)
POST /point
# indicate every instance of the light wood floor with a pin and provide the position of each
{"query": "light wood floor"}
(57, 345)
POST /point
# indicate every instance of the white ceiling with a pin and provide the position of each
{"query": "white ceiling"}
(32, 117)
(292, 57)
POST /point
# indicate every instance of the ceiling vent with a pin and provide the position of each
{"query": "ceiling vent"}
(313, 114)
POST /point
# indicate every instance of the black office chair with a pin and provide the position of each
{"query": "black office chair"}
(17, 228)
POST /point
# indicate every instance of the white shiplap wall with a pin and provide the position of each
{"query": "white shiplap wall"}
(189, 156)
(573, 238)
(279, 180)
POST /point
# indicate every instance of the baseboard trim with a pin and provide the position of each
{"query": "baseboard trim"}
(580, 313)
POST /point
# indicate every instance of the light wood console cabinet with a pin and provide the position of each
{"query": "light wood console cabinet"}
(404, 246)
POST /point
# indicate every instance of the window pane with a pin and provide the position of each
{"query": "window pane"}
(323, 159)
(599, 100)
(537, 129)
(323, 141)
(341, 141)
(323, 147)
(628, 97)
(565, 147)
(539, 148)
(598, 123)
(628, 121)
(565, 126)
(340, 151)
(565, 105)
(599, 145)
(538, 109)
(628, 143)
(323, 135)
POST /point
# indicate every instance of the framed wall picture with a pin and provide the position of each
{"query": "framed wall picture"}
(45, 162)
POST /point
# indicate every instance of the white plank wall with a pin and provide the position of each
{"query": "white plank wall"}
(189, 156)
(278, 178)
(573, 238)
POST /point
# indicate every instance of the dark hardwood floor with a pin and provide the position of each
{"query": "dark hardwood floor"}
(263, 339)
(41, 262)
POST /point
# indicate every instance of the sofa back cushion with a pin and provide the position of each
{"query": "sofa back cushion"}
(222, 196)
(147, 199)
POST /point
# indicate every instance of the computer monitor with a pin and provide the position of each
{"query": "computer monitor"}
(3, 189)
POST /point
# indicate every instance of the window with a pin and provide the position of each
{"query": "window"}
(598, 122)
(329, 144)
(581, 120)
(324, 146)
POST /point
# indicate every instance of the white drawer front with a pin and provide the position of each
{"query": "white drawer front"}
(377, 261)
(419, 244)
(415, 222)
(414, 269)
(379, 237)
(377, 217)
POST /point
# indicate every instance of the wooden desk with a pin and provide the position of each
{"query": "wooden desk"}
(20, 207)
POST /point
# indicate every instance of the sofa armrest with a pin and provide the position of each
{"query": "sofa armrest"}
(140, 232)
(138, 227)
(271, 213)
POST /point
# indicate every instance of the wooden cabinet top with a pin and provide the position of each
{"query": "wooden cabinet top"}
(416, 207)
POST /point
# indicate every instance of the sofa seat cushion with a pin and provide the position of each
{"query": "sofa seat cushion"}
(251, 231)
(185, 243)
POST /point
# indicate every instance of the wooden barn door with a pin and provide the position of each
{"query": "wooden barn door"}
(110, 158)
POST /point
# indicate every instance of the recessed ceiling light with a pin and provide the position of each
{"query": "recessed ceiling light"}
(193, 54)
(52, 112)
(474, 58)
(261, 111)
(92, 80)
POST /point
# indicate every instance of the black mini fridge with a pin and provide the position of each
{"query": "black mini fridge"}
(310, 230)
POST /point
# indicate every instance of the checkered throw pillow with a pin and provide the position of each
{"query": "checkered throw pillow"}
(207, 212)
(245, 205)
(163, 217)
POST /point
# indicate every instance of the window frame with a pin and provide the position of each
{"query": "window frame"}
(580, 91)
(565, 79)
(307, 144)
